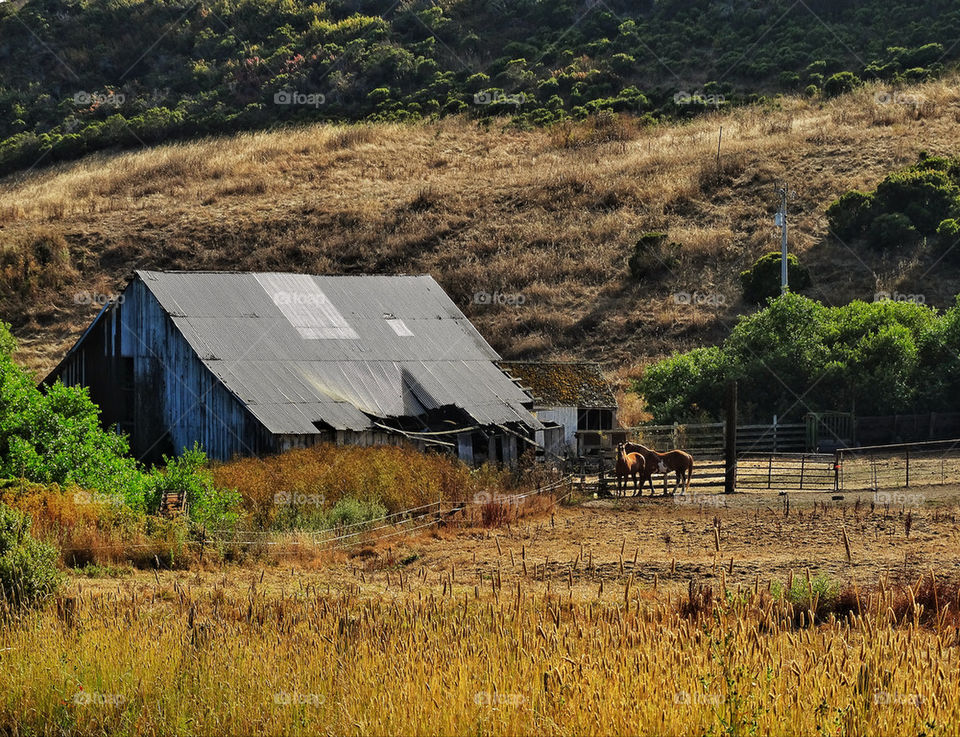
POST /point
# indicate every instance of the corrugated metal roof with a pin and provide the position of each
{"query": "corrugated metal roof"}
(299, 349)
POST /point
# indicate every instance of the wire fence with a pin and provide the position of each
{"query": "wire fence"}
(898, 466)
(368, 532)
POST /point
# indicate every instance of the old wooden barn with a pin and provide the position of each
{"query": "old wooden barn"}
(256, 363)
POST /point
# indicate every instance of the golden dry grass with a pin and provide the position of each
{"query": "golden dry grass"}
(548, 627)
(551, 214)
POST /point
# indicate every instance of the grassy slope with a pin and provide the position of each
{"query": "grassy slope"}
(494, 210)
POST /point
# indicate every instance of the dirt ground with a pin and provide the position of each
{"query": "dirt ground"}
(600, 546)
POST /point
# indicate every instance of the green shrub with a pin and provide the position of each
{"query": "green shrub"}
(840, 83)
(761, 281)
(188, 474)
(948, 234)
(350, 511)
(28, 568)
(892, 230)
(925, 196)
(685, 387)
(850, 215)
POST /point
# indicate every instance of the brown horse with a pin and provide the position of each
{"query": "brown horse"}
(676, 461)
(628, 464)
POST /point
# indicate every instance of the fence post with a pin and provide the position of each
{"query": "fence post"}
(730, 444)
(908, 467)
(836, 470)
(770, 471)
(803, 465)
(774, 434)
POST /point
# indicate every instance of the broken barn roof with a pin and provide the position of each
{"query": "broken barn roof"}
(564, 383)
(303, 352)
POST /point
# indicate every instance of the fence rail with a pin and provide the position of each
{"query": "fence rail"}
(900, 465)
(786, 471)
(763, 465)
(707, 440)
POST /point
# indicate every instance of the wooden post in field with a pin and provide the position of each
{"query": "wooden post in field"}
(730, 441)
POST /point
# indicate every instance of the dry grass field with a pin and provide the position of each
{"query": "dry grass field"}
(551, 215)
(610, 617)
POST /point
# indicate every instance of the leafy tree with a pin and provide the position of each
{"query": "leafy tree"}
(680, 388)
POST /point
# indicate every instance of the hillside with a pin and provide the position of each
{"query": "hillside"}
(546, 217)
(78, 76)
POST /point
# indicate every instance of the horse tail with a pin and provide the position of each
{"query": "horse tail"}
(689, 475)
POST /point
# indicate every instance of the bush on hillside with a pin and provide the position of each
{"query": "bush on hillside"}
(892, 230)
(925, 196)
(850, 215)
(840, 83)
(653, 254)
(761, 281)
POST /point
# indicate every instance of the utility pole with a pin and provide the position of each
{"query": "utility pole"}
(781, 221)
(730, 440)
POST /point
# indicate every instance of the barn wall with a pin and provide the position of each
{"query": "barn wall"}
(566, 416)
(148, 382)
(177, 400)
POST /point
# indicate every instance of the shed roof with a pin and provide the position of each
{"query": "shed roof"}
(298, 349)
(564, 383)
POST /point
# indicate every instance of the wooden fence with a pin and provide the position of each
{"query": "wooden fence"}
(706, 440)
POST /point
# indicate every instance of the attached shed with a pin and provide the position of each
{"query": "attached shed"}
(574, 395)
(256, 363)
